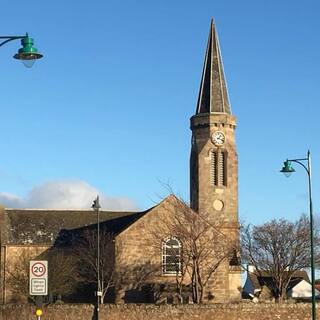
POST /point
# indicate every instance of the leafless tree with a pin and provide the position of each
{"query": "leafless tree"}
(85, 250)
(61, 274)
(62, 265)
(278, 249)
(204, 247)
(18, 278)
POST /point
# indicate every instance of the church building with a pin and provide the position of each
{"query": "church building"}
(149, 249)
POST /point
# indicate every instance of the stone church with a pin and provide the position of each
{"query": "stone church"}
(213, 195)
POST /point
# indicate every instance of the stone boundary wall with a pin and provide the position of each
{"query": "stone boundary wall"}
(241, 311)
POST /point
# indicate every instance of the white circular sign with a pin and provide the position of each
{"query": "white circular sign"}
(38, 269)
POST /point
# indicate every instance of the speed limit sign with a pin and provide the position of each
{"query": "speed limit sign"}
(38, 276)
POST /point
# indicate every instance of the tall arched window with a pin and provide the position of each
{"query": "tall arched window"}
(171, 256)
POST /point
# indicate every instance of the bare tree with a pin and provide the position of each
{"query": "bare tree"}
(85, 249)
(18, 278)
(203, 247)
(63, 276)
(277, 249)
(61, 267)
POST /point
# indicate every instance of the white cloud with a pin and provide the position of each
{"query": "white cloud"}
(66, 194)
(10, 200)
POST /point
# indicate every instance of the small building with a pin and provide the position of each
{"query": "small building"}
(258, 286)
(301, 288)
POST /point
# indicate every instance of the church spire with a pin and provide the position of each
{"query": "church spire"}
(213, 95)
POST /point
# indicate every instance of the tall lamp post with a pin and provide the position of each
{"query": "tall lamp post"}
(28, 54)
(96, 207)
(287, 170)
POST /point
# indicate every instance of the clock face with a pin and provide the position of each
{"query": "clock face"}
(218, 138)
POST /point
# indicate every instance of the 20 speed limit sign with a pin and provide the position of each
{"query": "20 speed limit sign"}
(38, 276)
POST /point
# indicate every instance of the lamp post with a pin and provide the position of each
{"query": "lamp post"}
(28, 54)
(96, 207)
(287, 170)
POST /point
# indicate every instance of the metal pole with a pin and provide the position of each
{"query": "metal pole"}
(98, 258)
(287, 169)
(314, 314)
(96, 207)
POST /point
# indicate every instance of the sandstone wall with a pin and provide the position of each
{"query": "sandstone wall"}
(244, 311)
(16, 261)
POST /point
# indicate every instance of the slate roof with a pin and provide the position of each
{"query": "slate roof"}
(37, 226)
(213, 94)
(259, 280)
(113, 226)
(59, 227)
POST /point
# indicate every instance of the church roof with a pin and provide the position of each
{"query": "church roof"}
(59, 227)
(213, 94)
(41, 226)
(113, 226)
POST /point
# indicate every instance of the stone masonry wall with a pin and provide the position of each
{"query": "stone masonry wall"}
(244, 311)
(14, 257)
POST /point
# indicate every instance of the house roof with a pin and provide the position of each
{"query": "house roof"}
(263, 278)
(42, 226)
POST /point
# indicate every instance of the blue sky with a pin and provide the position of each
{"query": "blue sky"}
(107, 110)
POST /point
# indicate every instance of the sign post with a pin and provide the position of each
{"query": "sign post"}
(38, 282)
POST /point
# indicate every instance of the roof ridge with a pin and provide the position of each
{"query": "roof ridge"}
(61, 209)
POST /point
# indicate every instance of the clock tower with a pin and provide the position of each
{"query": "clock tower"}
(214, 161)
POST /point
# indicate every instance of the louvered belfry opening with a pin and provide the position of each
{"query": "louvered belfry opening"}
(214, 179)
(218, 168)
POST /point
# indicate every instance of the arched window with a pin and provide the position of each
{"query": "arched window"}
(171, 256)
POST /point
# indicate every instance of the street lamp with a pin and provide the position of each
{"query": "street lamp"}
(28, 54)
(287, 170)
(96, 207)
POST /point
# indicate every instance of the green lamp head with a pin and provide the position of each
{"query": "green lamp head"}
(287, 169)
(27, 54)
